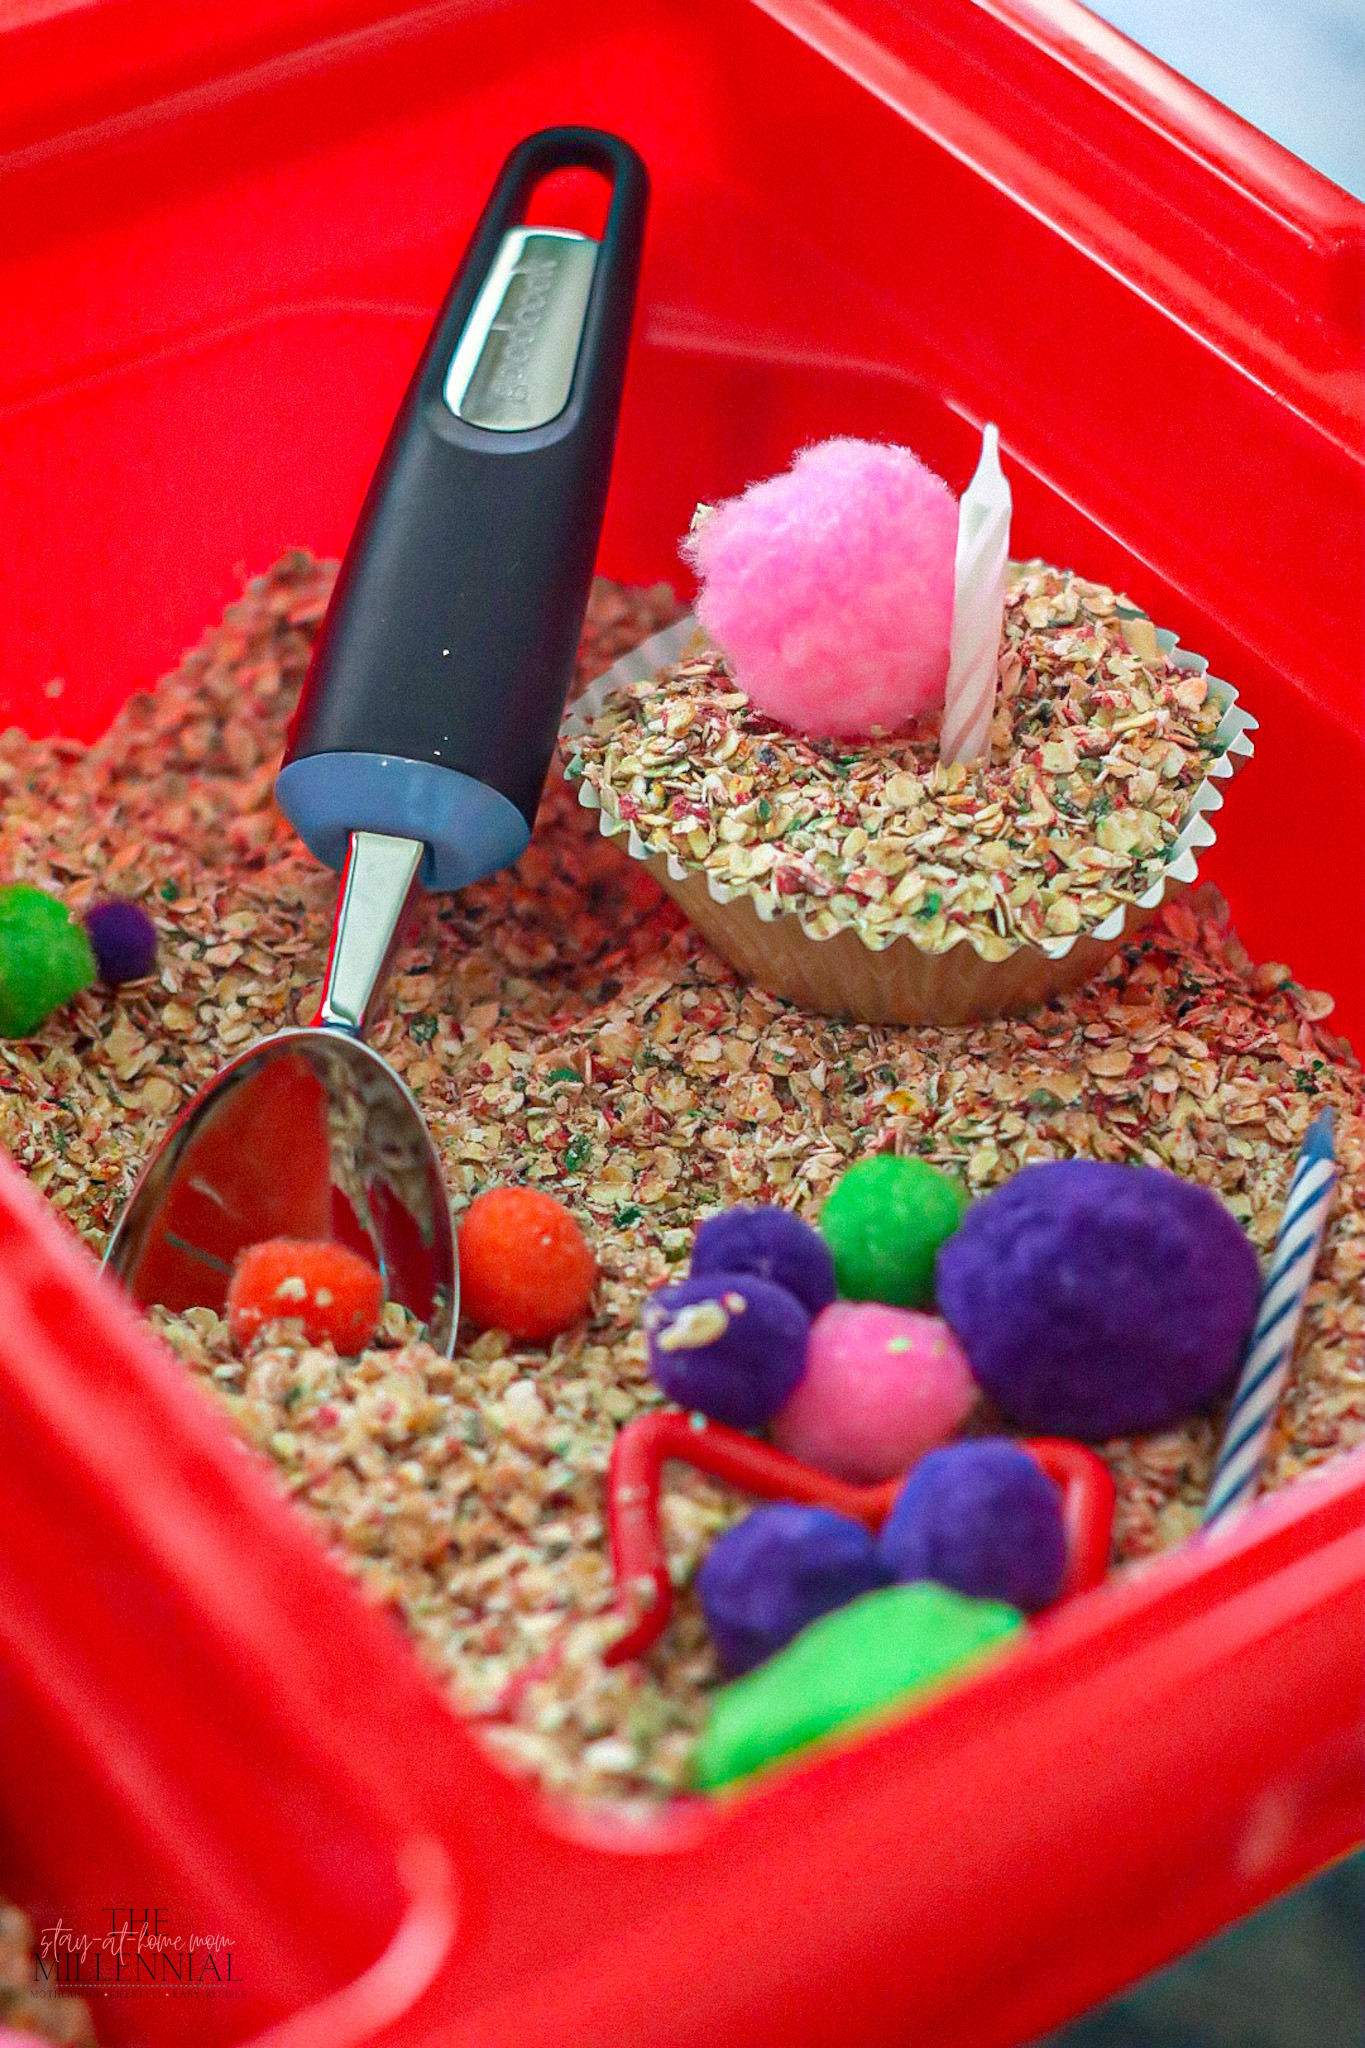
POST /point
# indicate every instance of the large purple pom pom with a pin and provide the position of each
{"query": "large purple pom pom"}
(776, 1571)
(1097, 1301)
(123, 939)
(773, 1244)
(983, 1518)
(728, 1344)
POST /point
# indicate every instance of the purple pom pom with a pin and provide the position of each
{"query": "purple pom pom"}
(728, 1344)
(983, 1518)
(775, 1572)
(1097, 1301)
(123, 938)
(774, 1245)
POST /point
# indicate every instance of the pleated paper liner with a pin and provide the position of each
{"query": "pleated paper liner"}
(900, 981)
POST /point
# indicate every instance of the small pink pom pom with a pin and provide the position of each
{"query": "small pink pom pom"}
(881, 1387)
(830, 588)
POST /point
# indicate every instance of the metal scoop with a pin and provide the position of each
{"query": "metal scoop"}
(420, 744)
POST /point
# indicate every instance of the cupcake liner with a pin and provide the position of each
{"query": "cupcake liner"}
(895, 980)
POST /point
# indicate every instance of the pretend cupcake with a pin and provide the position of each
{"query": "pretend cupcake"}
(783, 776)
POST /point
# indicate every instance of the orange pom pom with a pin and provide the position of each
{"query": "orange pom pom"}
(525, 1266)
(333, 1292)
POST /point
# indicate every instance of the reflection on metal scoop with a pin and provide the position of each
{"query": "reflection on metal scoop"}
(309, 1135)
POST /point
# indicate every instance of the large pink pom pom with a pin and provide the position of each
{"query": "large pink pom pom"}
(830, 588)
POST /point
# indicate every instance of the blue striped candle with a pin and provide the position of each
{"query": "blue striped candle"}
(1265, 1369)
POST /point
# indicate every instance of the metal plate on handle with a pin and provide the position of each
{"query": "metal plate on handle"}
(514, 365)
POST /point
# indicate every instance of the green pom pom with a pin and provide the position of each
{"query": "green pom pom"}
(875, 1653)
(884, 1223)
(45, 959)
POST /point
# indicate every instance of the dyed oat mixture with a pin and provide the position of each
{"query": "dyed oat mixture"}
(561, 1025)
(24, 2004)
(1099, 742)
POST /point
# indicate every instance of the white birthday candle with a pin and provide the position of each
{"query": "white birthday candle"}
(983, 546)
(1265, 1369)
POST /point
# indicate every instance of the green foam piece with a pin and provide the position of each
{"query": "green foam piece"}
(884, 1223)
(876, 1652)
(45, 958)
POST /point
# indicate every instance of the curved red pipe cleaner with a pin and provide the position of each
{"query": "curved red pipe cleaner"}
(644, 1591)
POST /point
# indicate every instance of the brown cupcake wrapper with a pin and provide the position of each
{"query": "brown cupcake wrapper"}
(900, 981)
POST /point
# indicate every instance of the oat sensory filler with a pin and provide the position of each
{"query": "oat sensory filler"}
(565, 1029)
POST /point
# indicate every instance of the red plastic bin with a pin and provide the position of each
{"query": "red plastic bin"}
(225, 231)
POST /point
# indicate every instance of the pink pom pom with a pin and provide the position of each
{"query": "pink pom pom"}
(881, 1387)
(830, 588)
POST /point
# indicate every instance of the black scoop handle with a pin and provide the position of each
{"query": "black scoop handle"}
(438, 681)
